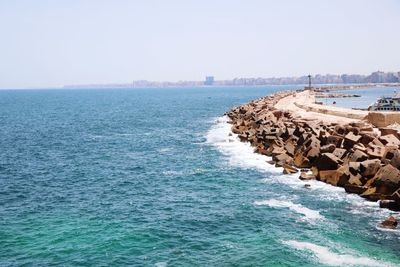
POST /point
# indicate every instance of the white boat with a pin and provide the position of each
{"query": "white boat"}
(386, 103)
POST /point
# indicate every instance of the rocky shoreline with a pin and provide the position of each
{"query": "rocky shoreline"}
(357, 156)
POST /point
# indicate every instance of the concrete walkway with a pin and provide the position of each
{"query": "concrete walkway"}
(303, 105)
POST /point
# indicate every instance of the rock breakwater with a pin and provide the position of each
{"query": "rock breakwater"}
(357, 156)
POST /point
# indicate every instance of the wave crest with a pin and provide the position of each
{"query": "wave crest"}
(298, 208)
(326, 256)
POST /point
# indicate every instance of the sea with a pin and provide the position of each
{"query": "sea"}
(367, 97)
(153, 177)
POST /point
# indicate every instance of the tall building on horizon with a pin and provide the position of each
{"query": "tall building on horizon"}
(209, 80)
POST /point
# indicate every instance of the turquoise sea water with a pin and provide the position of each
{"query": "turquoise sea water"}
(151, 177)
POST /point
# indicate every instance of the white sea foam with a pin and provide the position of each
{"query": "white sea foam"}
(165, 149)
(298, 208)
(380, 228)
(161, 264)
(326, 256)
(183, 172)
(239, 154)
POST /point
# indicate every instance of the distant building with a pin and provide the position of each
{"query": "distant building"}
(209, 80)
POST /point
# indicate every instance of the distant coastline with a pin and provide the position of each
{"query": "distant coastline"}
(375, 78)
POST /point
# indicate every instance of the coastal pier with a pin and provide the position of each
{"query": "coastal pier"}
(354, 149)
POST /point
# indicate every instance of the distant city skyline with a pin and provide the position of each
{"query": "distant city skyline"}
(56, 43)
(318, 79)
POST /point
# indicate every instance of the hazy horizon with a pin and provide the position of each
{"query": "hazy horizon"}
(51, 44)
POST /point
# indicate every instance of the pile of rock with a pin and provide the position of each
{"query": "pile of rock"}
(362, 159)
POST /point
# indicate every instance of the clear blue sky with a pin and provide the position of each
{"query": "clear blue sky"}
(52, 43)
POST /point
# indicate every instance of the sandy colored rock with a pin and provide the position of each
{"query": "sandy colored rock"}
(283, 158)
(383, 119)
(290, 148)
(371, 194)
(337, 177)
(369, 167)
(386, 180)
(355, 189)
(328, 161)
(391, 156)
(350, 140)
(388, 130)
(358, 156)
(288, 169)
(300, 161)
(340, 152)
(305, 176)
(327, 148)
(355, 180)
(375, 152)
(389, 140)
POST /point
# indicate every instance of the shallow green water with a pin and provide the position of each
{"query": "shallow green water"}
(151, 177)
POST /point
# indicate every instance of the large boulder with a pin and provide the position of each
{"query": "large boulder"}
(328, 161)
(389, 140)
(396, 196)
(358, 156)
(389, 204)
(340, 152)
(370, 167)
(386, 180)
(283, 158)
(278, 113)
(371, 194)
(288, 169)
(314, 171)
(298, 131)
(335, 140)
(290, 148)
(390, 222)
(323, 137)
(327, 148)
(355, 167)
(360, 146)
(339, 129)
(350, 140)
(288, 133)
(306, 176)
(277, 150)
(261, 150)
(337, 177)
(300, 161)
(355, 189)
(366, 138)
(302, 138)
(376, 142)
(375, 152)
(238, 129)
(387, 130)
(312, 153)
(312, 142)
(391, 156)
(355, 180)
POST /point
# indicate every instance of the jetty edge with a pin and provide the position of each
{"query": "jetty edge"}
(337, 146)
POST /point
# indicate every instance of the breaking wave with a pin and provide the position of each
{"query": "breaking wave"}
(298, 208)
(240, 154)
(326, 256)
